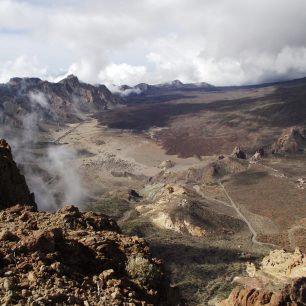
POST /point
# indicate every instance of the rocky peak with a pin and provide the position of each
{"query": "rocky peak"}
(5, 150)
(176, 83)
(292, 140)
(71, 81)
(13, 187)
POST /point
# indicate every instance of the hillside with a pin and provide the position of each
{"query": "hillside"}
(65, 101)
(70, 257)
(211, 178)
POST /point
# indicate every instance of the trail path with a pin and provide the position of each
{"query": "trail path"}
(198, 190)
(248, 223)
(57, 140)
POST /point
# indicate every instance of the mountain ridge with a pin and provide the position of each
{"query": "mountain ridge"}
(64, 101)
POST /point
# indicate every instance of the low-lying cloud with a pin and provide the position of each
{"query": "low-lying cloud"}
(49, 168)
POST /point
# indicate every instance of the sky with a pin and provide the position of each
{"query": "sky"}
(222, 42)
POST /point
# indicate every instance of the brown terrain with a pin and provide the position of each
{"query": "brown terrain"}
(71, 258)
(210, 177)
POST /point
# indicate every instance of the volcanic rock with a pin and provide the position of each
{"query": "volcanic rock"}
(74, 258)
(177, 208)
(292, 140)
(65, 101)
(13, 186)
(258, 154)
(237, 152)
(281, 280)
(133, 195)
(166, 164)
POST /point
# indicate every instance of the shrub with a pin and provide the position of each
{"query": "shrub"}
(140, 268)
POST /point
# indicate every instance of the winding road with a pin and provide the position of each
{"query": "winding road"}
(240, 214)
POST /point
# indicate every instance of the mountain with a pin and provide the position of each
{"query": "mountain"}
(67, 100)
(176, 85)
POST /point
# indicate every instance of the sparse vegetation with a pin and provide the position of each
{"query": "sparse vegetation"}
(140, 269)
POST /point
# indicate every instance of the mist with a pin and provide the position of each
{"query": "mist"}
(48, 167)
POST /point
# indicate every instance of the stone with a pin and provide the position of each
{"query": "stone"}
(237, 152)
(13, 186)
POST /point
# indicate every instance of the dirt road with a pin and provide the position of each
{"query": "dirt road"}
(248, 223)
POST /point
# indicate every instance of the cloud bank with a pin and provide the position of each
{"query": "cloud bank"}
(129, 41)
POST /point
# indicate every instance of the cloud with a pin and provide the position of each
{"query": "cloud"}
(221, 42)
(121, 74)
(52, 173)
(22, 66)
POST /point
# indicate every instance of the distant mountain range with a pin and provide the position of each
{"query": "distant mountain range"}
(143, 88)
(67, 100)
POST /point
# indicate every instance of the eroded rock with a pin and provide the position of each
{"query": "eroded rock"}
(56, 264)
(13, 187)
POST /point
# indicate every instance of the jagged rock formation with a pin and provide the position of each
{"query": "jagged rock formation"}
(13, 186)
(258, 155)
(281, 280)
(237, 152)
(292, 140)
(60, 102)
(74, 258)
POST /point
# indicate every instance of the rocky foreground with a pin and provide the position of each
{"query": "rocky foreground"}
(69, 257)
(74, 258)
(281, 280)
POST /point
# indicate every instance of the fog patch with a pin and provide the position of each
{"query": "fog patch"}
(49, 168)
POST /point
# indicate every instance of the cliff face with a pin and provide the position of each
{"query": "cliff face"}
(281, 280)
(64, 101)
(13, 186)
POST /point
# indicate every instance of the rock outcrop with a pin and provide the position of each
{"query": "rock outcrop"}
(237, 152)
(69, 257)
(74, 258)
(292, 140)
(13, 186)
(259, 154)
(178, 208)
(67, 100)
(281, 280)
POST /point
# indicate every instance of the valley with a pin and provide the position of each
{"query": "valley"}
(161, 165)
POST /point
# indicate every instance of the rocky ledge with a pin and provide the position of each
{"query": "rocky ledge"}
(281, 280)
(74, 258)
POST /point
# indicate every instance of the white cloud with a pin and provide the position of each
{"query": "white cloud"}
(22, 66)
(121, 74)
(221, 42)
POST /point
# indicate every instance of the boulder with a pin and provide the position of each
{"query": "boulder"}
(237, 152)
